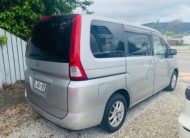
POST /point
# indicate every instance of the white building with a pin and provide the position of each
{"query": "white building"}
(186, 39)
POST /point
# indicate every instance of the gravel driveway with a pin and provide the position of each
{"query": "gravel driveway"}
(153, 118)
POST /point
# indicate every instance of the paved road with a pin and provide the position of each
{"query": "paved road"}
(183, 59)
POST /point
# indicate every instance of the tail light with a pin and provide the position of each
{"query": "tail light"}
(76, 70)
(187, 93)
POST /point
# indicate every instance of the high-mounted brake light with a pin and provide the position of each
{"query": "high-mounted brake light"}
(46, 17)
(76, 70)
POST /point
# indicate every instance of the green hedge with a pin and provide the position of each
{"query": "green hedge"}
(3, 40)
(19, 16)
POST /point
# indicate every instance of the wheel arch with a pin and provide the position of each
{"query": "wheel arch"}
(124, 93)
(176, 70)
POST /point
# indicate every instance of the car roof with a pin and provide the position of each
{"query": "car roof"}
(140, 27)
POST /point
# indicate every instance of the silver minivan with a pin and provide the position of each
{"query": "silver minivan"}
(85, 71)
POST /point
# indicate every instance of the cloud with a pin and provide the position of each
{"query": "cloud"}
(142, 11)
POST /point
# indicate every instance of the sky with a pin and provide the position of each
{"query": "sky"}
(142, 11)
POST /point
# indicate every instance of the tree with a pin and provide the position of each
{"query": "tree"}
(157, 25)
(18, 16)
(175, 25)
(168, 33)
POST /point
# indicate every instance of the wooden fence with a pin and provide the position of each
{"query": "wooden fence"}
(12, 59)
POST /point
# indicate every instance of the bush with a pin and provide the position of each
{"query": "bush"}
(3, 40)
(19, 20)
(19, 16)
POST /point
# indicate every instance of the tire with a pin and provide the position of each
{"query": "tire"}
(173, 82)
(119, 115)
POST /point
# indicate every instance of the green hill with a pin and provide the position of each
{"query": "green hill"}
(182, 28)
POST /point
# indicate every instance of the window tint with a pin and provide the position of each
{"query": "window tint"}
(51, 40)
(106, 39)
(138, 44)
(160, 47)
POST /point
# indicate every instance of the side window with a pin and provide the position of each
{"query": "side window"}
(106, 39)
(160, 47)
(138, 44)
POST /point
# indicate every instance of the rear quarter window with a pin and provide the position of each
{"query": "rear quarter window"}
(106, 39)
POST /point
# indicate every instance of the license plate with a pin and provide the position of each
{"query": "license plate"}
(41, 87)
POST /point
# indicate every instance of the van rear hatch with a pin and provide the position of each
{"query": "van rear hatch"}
(47, 59)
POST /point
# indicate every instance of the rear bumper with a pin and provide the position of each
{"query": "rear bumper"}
(72, 121)
(184, 121)
(184, 126)
(86, 101)
(85, 107)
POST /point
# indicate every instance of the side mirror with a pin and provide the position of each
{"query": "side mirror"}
(172, 52)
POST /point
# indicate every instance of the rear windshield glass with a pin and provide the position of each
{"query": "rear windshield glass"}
(51, 40)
